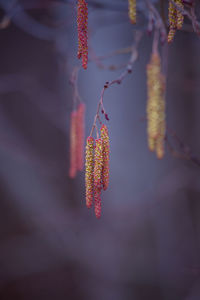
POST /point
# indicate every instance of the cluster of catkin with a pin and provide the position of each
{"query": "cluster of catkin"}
(176, 18)
(132, 11)
(97, 169)
(155, 106)
(82, 24)
(77, 135)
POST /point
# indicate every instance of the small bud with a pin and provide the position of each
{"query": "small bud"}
(106, 116)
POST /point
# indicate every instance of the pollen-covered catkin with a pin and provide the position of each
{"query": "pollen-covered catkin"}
(160, 141)
(80, 135)
(176, 18)
(106, 156)
(172, 14)
(89, 171)
(73, 145)
(82, 24)
(154, 94)
(162, 126)
(155, 106)
(98, 166)
(180, 17)
(98, 163)
(132, 11)
(97, 202)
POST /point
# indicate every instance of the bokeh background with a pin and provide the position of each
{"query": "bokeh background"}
(147, 243)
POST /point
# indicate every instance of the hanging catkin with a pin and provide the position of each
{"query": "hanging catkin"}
(73, 145)
(176, 18)
(98, 166)
(154, 94)
(82, 24)
(132, 11)
(106, 154)
(89, 171)
(180, 17)
(155, 106)
(162, 123)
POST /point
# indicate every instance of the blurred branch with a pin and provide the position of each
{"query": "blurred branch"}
(183, 152)
(119, 80)
(98, 59)
(17, 13)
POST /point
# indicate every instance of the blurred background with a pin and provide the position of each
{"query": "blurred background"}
(146, 244)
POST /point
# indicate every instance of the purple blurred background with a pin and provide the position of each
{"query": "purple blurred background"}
(146, 245)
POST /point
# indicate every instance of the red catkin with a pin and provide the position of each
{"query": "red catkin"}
(82, 24)
(73, 145)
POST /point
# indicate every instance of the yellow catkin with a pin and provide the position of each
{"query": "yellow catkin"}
(155, 106)
(176, 19)
(106, 156)
(98, 166)
(97, 202)
(160, 141)
(98, 163)
(180, 17)
(89, 171)
(154, 94)
(132, 11)
(162, 126)
(172, 14)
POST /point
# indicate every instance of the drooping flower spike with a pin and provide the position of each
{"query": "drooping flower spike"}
(176, 19)
(98, 167)
(73, 145)
(98, 163)
(89, 171)
(132, 11)
(180, 17)
(97, 202)
(106, 156)
(155, 106)
(154, 93)
(82, 24)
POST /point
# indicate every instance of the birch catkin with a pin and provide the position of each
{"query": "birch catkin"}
(172, 14)
(154, 94)
(176, 18)
(73, 145)
(132, 11)
(89, 171)
(106, 154)
(97, 202)
(98, 166)
(180, 17)
(82, 24)
(155, 106)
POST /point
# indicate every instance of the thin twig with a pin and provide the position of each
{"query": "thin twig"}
(128, 70)
(184, 151)
(74, 82)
